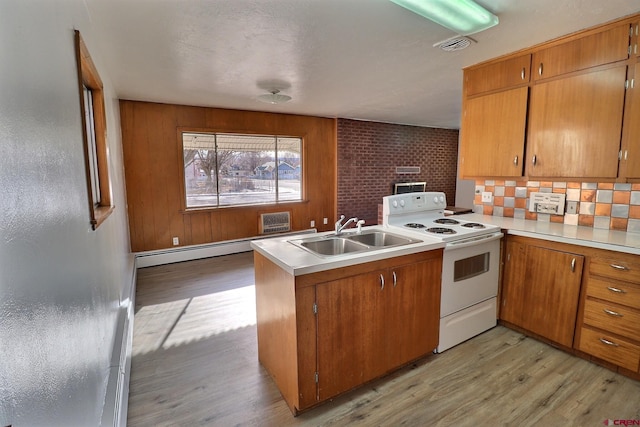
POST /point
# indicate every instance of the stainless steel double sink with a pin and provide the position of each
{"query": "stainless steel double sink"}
(350, 242)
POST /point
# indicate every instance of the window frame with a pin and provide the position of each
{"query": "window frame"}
(88, 77)
(187, 130)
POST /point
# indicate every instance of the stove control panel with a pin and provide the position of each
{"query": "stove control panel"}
(399, 204)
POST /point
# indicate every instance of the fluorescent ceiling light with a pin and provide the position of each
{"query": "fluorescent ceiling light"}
(462, 16)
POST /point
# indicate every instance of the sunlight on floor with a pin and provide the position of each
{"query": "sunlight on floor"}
(175, 323)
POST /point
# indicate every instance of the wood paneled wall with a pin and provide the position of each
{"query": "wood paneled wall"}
(153, 160)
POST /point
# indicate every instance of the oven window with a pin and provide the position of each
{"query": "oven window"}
(469, 267)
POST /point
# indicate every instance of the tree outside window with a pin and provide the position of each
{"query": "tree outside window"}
(233, 169)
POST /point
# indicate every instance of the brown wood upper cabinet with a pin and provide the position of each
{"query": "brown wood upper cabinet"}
(575, 125)
(498, 75)
(561, 104)
(630, 155)
(605, 47)
(494, 122)
(492, 134)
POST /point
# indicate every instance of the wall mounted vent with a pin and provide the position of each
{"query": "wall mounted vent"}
(275, 222)
(408, 169)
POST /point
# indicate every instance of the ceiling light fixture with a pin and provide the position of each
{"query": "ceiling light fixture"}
(462, 16)
(275, 97)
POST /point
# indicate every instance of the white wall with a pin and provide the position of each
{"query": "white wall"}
(465, 188)
(60, 282)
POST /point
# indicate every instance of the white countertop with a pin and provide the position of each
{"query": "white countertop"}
(612, 240)
(297, 261)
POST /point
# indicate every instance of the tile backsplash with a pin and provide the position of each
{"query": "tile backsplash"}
(606, 205)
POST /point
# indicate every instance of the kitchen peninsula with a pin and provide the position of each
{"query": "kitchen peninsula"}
(327, 324)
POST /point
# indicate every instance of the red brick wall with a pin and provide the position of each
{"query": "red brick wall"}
(368, 153)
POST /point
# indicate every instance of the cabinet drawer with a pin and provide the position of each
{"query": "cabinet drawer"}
(614, 318)
(614, 350)
(616, 268)
(618, 292)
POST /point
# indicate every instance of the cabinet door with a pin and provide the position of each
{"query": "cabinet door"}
(492, 134)
(540, 291)
(551, 293)
(575, 125)
(499, 75)
(351, 332)
(597, 49)
(631, 135)
(635, 34)
(414, 311)
(513, 288)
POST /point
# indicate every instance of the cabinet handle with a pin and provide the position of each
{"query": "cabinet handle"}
(619, 267)
(607, 342)
(540, 69)
(381, 282)
(616, 290)
(534, 160)
(515, 160)
(573, 265)
(522, 74)
(395, 279)
(612, 313)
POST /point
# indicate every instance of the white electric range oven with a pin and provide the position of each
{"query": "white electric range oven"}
(470, 265)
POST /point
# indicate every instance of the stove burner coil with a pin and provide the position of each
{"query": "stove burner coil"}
(441, 230)
(475, 225)
(447, 221)
(414, 225)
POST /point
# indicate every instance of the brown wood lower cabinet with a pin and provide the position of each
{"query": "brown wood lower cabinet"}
(325, 333)
(541, 289)
(370, 323)
(609, 324)
(586, 299)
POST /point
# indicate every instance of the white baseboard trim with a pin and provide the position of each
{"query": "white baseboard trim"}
(188, 253)
(116, 403)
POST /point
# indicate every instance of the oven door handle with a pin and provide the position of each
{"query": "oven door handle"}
(474, 241)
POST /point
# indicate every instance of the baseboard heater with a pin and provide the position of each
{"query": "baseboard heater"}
(188, 253)
(116, 403)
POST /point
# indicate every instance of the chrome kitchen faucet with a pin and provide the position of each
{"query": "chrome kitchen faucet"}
(340, 226)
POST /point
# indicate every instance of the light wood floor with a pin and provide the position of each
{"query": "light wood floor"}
(195, 363)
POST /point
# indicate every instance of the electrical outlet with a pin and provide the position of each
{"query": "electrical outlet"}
(176, 241)
(326, 220)
(487, 197)
(313, 223)
(572, 207)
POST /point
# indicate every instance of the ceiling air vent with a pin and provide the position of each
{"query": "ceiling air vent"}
(275, 222)
(455, 43)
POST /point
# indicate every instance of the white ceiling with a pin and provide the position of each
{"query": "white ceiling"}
(360, 59)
